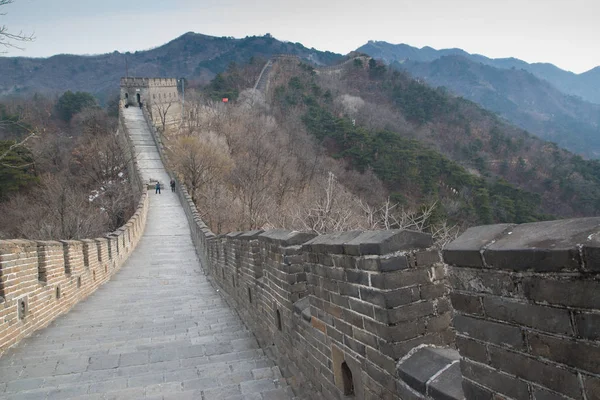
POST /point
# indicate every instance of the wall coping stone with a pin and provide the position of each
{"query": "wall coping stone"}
(465, 250)
(385, 242)
(547, 246)
(233, 234)
(361, 243)
(7, 243)
(286, 237)
(53, 242)
(331, 243)
(249, 235)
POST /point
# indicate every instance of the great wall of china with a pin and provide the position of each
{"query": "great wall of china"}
(504, 312)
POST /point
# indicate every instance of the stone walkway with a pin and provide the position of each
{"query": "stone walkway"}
(157, 330)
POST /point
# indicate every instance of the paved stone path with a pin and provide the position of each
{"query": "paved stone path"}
(157, 330)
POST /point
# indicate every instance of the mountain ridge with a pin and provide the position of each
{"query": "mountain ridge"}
(191, 55)
(516, 94)
(585, 85)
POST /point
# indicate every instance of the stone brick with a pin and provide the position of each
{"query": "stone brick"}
(422, 365)
(354, 345)
(405, 331)
(527, 368)
(385, 242)
(588, 325)
(567, 292)
(465, 251)
(495, 380)
(364, 337)
(539, 317)
(380, 376)
(482, 281)
(435, 291)
(572, 352)
(471, 349)
(430, 257)
(357, 276)
(318, 324)
(369, 263)
(591, 257)
(488, 331)
(406, 313)
(400, 279)
(591, 387)
(545, 394)
(542, 246)
(376, 357)
(393, 263)
(361, 307)
(390, 299)
(475, 392)
(447, 385)
(439, 323)
(467, 304)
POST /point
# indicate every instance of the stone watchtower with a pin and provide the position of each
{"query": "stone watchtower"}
(158, 95)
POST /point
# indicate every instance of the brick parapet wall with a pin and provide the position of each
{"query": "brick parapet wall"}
(372, 297)
(40, 280)
(362, 299)
(527, 301)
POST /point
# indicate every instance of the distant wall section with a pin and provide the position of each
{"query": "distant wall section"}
(158, 95)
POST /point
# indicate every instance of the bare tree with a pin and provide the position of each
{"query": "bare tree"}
(162, 109)
(7, 39)
(198, 163)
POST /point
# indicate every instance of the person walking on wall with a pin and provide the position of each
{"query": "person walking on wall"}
(157, 187)
(172, 185)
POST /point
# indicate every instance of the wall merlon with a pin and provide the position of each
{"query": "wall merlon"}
(285, 238)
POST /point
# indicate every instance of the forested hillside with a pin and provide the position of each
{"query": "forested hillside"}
(426, 145)
(514, 90)
(517, 95)
(365, 147)
(63, 171)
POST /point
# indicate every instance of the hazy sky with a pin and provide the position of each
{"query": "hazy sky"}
(562, 32)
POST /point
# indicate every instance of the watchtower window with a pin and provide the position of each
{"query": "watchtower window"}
(126, 95)
(347, 379)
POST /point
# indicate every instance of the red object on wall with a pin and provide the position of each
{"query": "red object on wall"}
(225, 99)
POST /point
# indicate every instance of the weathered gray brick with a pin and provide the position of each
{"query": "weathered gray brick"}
(489, 331)
(530, 369)
(495, 380)
(566, 292)
(466, 303)
(544, 318)
(573, 353)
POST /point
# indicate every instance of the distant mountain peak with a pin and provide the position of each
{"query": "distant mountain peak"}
(585, 85)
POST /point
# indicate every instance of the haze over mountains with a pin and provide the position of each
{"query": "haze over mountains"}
(585, 85)
(553, 104)
(192, 55)
(527, 95)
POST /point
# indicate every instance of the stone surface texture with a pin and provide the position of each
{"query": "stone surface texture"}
(526, 301)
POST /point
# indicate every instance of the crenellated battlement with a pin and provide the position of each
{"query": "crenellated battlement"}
(131, 82)
(508, 312)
